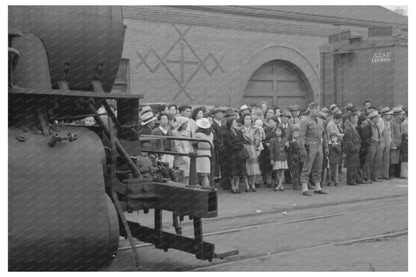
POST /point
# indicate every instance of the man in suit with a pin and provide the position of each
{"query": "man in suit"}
(217, 121)
(372, 136)
(385, 143)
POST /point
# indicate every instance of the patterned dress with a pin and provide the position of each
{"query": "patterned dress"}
(252, 141)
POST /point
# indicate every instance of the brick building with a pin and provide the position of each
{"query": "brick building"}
(230, 55)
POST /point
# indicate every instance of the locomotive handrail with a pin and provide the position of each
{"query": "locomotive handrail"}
(212, 149)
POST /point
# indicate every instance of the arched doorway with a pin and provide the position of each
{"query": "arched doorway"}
(280, 83)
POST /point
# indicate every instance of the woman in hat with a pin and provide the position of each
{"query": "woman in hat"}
(182, 146)
(203, 164)
(252, 142)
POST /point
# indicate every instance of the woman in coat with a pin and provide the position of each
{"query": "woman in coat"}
(233, 167)
(251, 144)
(203, 164)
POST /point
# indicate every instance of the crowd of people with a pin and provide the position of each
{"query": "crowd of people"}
(308, 149)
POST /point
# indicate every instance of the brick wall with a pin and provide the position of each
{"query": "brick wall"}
(203, 63)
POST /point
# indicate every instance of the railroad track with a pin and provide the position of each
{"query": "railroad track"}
(272, 222)
(323, 245)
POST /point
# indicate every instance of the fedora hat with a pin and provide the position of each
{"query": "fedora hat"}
(397, 110)
(203, 123)
(286, 113)
(386, 110)
(218, 109)
(324, 110)
(147, 117)
(373, 114)
(294, 107)
(145, 109)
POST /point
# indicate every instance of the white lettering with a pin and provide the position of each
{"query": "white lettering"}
(381, 57)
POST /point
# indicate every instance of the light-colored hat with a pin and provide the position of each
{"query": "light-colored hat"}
(386, 110)
(147, 117)
(324, 110)
(373, 114)
(313, 105)
(243, 107)
(333, 106)
(145, 109)
(397, 110)
(203, 123)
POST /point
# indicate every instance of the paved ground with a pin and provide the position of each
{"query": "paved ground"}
(361, 228)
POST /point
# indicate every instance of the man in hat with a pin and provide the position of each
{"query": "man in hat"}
(334, 108)
(285, 125)
(294, 109)
(352, 143)
(335, 125)
(312, 136)
(217, 122)
(244, 109)
(396, 140)
(385, 142)
(229, 113)
(371, 137)
(147, 122)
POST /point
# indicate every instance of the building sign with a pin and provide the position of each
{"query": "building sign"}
(381, 57)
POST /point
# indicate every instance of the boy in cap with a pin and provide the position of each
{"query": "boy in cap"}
(335, 153)
(297, 154)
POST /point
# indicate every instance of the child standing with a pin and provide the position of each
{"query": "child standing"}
(334, 158)
(298, 156)
(278, 158)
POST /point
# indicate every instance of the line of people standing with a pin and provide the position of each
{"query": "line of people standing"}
(307, 150)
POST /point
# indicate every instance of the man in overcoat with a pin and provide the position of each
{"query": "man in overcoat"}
(385, 142)
(396, 140)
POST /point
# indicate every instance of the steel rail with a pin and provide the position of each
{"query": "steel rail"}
(256, 226)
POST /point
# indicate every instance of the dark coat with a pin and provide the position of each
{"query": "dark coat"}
(366, 134)
(162, 145)
(278, 150)
(297, 152)
(334, 153)
(352, 140)
(233, 144)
